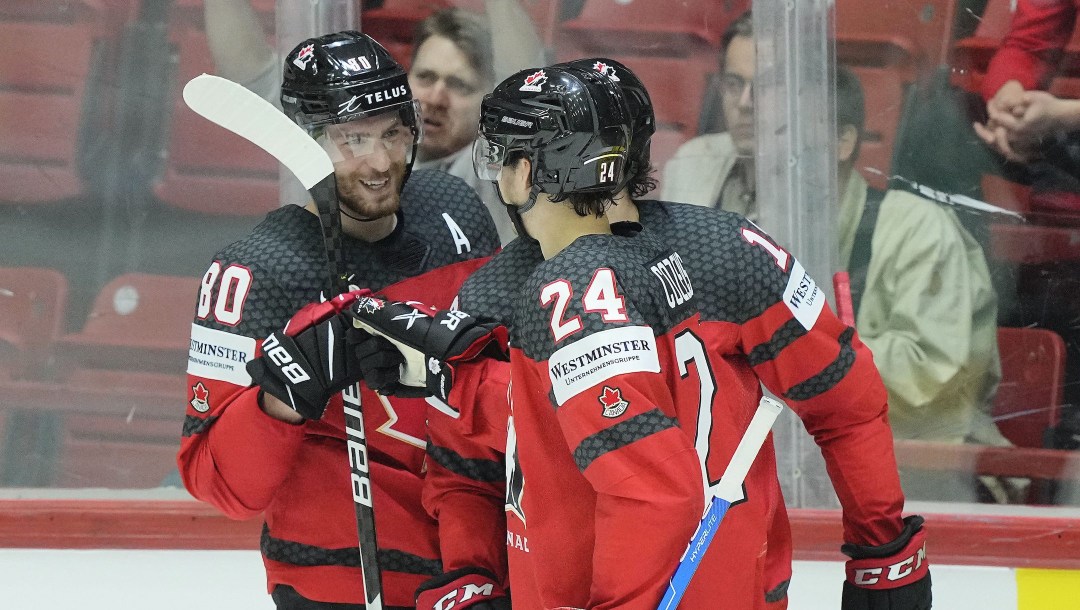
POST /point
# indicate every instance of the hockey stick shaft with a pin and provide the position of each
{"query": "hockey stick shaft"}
(728, 490)
(244, 113)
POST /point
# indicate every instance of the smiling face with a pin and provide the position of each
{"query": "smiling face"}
(737, 93)
(370, 157)
(449, 91)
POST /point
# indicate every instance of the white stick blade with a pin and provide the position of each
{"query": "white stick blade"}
(244, 113)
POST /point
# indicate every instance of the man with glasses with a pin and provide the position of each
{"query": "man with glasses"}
(717, 169)
(268, 436)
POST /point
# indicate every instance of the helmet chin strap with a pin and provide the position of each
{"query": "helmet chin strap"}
(342, 209)
(515, 212)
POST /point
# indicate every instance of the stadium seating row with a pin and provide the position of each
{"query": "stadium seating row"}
(110, 392)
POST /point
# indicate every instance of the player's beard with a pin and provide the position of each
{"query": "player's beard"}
(362, 201)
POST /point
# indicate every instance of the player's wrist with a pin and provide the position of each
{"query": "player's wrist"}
(277, 409)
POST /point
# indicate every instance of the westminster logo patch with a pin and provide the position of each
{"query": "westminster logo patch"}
(612, 402)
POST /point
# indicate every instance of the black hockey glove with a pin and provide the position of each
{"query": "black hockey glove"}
(430, 342)
(473, 588)
(307, 362)
(893, 576)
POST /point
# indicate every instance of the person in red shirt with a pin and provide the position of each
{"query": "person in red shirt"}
(818, 365)
(1021, 114)
(256, 442)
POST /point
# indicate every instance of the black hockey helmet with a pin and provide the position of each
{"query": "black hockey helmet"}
(573, 125)
(344, 76)
(642, 116)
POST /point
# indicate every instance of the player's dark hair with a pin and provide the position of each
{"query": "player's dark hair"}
(469, 32)
(743, 26)
(585, 204)
(850, 105)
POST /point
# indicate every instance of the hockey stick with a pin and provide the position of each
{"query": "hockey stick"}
(244, 113)
(728, 490)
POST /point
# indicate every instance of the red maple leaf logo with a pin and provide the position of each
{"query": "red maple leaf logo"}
(612, 401)
(201, 393)
(606, 70)
(534, 77)
(610, 397)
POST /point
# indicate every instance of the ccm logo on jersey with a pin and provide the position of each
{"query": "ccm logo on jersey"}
(803, 297)
(673, 276)
(868, 577)
(280, 356)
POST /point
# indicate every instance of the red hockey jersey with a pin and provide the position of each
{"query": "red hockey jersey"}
(765, 318)
(245, 463)
(611, 488)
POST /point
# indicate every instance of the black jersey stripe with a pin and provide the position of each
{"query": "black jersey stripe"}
(778, 593)
(477, 469)
(783, 337)
(300, 554)
(622, 434)
(830, 375)
(197, 425)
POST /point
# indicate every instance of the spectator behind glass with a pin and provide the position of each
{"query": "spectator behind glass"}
(717, 169)
(1023, 123)
(453, 66)
(456, 58)
(925, 308)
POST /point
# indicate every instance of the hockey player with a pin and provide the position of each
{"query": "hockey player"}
(255, 440)
(600, 446)
(816, 363)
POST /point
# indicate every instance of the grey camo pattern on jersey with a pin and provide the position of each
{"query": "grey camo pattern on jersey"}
(737, 280)
(490, 292)
(477, 469)
(286, 258)
(620, 435)
(629, 258)
(300, 554)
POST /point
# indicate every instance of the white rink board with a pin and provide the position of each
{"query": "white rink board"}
(36, 579)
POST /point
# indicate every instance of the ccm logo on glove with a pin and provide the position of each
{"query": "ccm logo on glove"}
(464, 594)
(868, 577)
(280, 356)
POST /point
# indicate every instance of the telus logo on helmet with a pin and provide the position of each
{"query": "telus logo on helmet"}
(359, 101)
